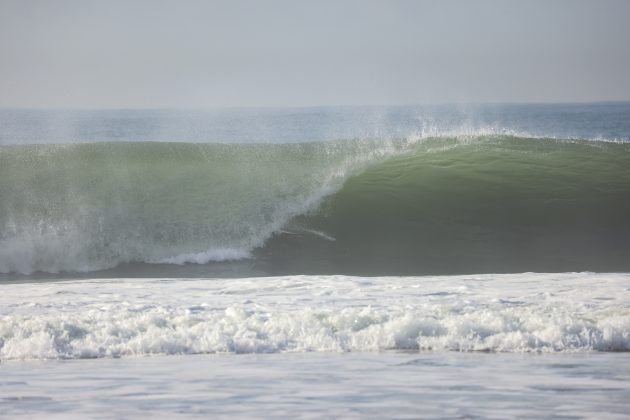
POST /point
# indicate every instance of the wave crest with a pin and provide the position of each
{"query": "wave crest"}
(473, 202)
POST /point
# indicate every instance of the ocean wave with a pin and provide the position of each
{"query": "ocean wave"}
(436, 202)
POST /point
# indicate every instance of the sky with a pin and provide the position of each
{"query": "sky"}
(197, 54)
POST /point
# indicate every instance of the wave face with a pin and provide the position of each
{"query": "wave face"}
(86, 207)
(418, 205)
(565, 312)
(484, 204)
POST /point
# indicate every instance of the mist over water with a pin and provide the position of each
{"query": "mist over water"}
(607, 121)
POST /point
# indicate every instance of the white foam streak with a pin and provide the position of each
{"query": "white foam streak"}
(503, 313)
(221, 254)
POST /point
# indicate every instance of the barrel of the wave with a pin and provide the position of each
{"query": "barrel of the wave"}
(473, 205)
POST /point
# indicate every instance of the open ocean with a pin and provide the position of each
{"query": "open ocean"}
(400, 262)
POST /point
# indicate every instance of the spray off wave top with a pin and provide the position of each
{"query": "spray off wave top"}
(490, 203)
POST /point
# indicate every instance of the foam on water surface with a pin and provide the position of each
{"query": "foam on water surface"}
(499, 313)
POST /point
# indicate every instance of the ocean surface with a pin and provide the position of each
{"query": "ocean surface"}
(401, 262)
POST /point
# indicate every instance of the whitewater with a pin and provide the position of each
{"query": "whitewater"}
(435, 261)
(530, 312)
(517, 345)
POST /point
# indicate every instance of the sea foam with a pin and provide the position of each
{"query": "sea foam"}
(498, 313)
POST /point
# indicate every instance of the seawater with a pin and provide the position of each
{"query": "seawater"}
(368, 191)
(519, 345)
(315, 385)
(395, 262)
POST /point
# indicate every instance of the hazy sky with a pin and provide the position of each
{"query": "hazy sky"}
(185, 53)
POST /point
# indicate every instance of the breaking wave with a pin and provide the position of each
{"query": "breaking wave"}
(472, 202)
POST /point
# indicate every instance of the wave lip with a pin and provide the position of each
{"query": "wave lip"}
(570, 312)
